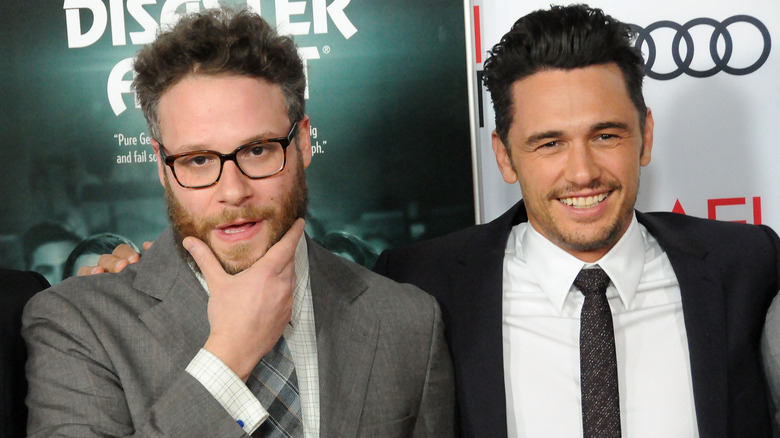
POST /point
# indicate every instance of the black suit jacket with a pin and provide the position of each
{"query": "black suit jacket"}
(16, 287)
(728, 275)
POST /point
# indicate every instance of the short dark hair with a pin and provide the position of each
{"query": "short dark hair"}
(43, 233)
(563, 37)
(213, 42)
(103, 243)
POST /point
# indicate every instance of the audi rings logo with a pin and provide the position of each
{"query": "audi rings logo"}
(683, 55)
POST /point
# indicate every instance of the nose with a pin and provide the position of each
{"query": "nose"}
(233, 187)
(581, 165)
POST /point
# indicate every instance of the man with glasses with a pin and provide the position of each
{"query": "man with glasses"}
(234, 322)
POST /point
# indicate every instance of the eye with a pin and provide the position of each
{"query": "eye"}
(606, 139)
(196, 160)
(550, 147)
(256, 151)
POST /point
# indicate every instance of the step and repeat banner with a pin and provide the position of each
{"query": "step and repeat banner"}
(712, 84)
(393, 89)
(387, 96)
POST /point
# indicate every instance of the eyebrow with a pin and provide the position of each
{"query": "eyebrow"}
(199, 147)
(535, 138)
(609, 125)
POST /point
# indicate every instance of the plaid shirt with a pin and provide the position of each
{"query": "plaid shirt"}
(231, 392)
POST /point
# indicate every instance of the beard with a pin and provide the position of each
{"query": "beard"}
(278, 221)
(604, 238)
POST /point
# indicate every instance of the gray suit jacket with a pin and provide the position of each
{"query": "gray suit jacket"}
(107, 354)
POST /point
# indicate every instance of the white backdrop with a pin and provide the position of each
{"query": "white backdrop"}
(716, 151)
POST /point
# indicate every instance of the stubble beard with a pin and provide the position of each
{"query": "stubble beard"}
(604, 238)
(277, 220)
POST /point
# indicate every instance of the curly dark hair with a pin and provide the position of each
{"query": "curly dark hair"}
(213, 42)
(563, 37)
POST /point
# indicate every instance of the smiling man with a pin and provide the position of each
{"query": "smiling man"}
(576, 147)
(234, 322)
(572, 314)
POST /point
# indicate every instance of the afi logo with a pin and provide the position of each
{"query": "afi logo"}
(718, 204)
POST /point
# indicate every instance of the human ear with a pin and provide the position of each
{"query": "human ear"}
(503, 159)
(647, 139)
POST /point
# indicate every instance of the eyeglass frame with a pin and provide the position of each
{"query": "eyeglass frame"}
(233, 156)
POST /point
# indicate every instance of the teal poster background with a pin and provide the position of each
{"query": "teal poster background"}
(387, 98)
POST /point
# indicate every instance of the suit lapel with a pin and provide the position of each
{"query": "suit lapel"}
(477, 343)
(180, 321)
(347, 338)
(478, 338)
(704, 313)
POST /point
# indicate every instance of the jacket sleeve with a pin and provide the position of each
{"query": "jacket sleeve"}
(75, 391)
(437, 413)
(770, 341)
(770, 345)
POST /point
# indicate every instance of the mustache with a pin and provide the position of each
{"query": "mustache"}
(252, 213)
(570, 189)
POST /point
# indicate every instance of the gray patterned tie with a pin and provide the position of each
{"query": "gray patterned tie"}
(275, 384)
(598, 366)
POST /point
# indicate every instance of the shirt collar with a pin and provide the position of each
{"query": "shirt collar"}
(555, 270)
(625, 262)
(301, 279)
(302, 285)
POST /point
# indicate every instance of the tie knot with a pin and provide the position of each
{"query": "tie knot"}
(591, 281)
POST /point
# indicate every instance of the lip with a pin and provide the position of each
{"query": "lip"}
(238, 230)
(585, 201)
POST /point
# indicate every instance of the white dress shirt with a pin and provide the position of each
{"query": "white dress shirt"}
(233, 394)
(541, 326)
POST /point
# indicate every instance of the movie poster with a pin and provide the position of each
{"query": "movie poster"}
(387, 98)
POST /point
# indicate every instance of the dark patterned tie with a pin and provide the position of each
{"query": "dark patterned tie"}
(274, 383)
(598, 366)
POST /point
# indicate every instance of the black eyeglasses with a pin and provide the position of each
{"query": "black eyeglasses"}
(258, 159)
